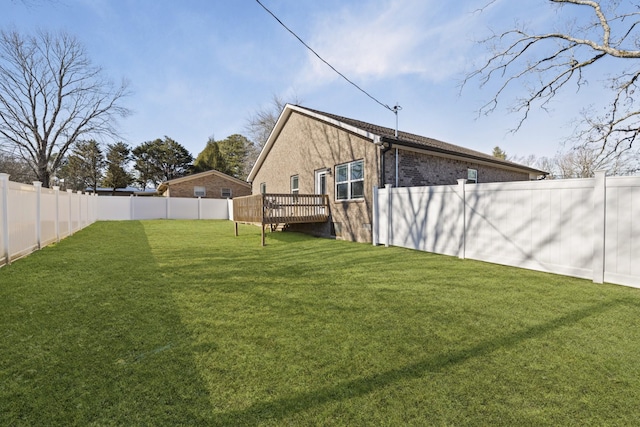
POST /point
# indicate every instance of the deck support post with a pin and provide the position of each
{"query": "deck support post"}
(263, 234)
(236, 227)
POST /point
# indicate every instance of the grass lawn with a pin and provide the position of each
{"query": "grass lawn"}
(181, 323)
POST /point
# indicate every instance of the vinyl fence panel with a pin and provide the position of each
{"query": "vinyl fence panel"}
(114, 208)
(588, 228)
(4, 220)
(64, 214)
(149, 207)
(140, 208)
(543, 226)
(182, 208)
(426, 218)
(622, 231)
(48, 216)
(215, 209)
(32, 217)
(22, 219)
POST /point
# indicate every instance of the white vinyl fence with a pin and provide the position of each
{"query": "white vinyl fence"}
(588, 228)
(32, 217)
(137, 208)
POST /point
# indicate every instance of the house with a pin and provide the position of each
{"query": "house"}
(312, 152)
(127, 191)
(210, 184)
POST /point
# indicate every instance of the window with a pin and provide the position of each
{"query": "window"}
(226, 193)
(199, 191)
(350, 180)
(472, 176)
(295, 189)
(263, 188)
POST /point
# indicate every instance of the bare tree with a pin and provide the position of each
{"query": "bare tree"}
(18, 169)
(546, 63)
(582, 162)
(262, 122)
(260, 125)
(51, 96)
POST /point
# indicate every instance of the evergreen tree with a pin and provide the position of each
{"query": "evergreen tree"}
(498, 153)
(227, 156)
(210, 158)
(161, 160)
(84, 167)
(118, 157)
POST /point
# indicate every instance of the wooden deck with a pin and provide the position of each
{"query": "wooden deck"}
(277, 209)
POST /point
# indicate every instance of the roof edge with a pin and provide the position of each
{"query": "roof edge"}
(496, 161)
(282, 119)
(166, 184)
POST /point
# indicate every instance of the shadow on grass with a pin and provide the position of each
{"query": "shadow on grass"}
(279, 409)
(92, 336)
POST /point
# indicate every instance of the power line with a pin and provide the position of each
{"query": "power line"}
(392, 109)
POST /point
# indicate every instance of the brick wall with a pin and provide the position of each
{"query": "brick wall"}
(213, 184)
(419, 169)
(306, 145)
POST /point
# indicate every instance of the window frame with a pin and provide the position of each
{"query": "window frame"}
(263, 188)
(199, 189)
(229, 190)
(295, 189)
(349, 181)
(321, 178)
(472, 173)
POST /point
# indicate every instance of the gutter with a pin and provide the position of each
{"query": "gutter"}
(387, 140)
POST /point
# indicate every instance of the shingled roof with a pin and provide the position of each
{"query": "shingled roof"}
(423, 142)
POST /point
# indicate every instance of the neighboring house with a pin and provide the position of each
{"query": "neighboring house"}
(128, 191)
(210, 184)
(311, 152)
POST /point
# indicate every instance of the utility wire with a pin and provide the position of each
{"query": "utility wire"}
(392, 109)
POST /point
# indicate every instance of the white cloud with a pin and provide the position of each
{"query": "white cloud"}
(381, 39)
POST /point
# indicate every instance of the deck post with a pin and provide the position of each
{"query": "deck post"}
(263, 234)
(236, 227)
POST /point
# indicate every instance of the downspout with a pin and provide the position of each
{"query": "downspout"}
(386, 146)
(396, 168)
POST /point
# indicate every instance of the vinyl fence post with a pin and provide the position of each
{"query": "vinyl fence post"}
(462, 222)
(80, 210)
(389, 216)
(132, 212)
(56, 189)
(4, 205)
(37, 185)
(599, 224)
(376, 217)
(199, 207)
(69, 193)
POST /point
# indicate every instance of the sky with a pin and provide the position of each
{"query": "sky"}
(201, 68)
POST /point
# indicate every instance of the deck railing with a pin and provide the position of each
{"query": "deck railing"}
(273, 209)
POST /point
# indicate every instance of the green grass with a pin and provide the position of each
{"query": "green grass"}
(181, 323)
